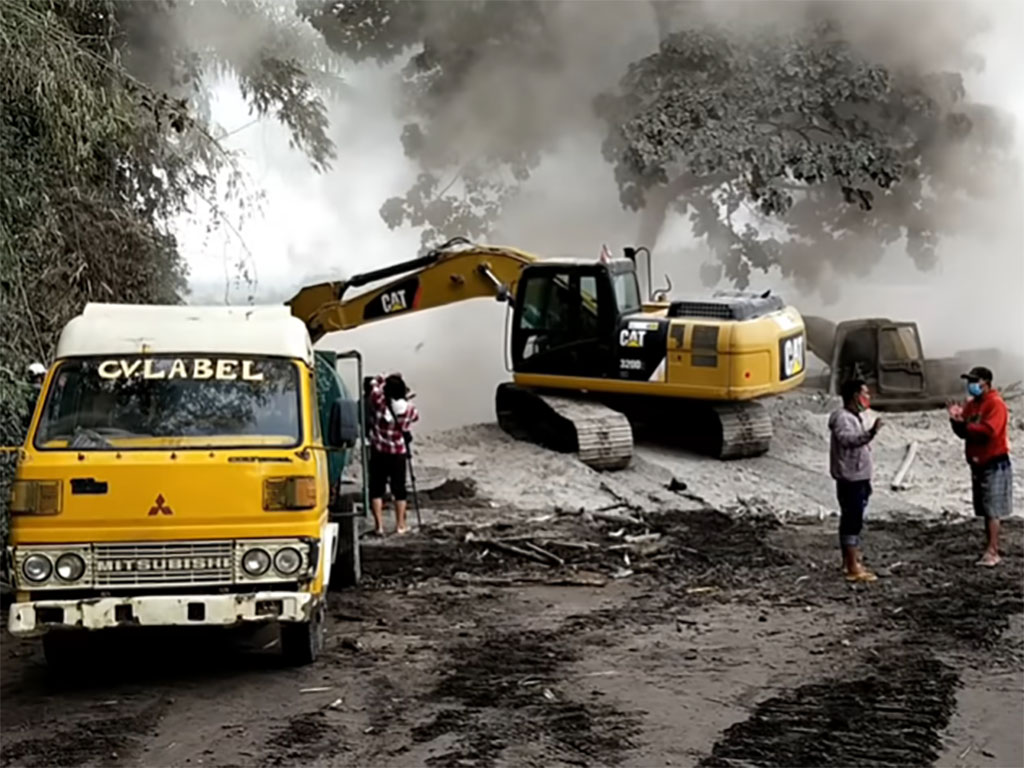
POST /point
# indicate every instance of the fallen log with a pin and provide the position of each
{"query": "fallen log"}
(904, 468)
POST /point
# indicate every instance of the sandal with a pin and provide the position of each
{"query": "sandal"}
(989, 562)
(865, 576)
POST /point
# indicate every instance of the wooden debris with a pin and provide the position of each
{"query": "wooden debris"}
(512, 581)
(518, 551)
(612, 517)
(618, 497)
(644, 538)
(901, 473)
(573, 544)
(544, 553)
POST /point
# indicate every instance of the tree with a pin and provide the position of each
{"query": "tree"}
(470, 67)
(794, 150)
(809, 148)
(104, 141)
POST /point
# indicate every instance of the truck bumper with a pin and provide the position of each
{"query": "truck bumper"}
(38, 617)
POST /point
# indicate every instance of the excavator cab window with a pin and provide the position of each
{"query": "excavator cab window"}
(627, 292)
(564, 318)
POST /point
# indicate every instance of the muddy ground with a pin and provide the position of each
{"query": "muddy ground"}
(626, 637)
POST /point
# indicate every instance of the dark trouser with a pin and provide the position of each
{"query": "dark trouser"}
(853, 498)
(387, 469)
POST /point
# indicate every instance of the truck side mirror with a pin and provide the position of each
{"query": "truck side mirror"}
(343, 424)
(36, 373)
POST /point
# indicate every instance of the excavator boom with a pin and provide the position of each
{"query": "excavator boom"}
(443, 276)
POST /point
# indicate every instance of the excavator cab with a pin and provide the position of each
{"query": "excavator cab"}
(567, 314)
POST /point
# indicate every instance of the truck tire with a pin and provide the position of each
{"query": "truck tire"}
(301, 642)
(63, 650)
(346, 569)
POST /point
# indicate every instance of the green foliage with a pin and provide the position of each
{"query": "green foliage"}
(827, 156)
(104, 141)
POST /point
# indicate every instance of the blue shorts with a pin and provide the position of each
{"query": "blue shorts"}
(992, 489)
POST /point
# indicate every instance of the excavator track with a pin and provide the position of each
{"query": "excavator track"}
(746, 429)
(599, 435)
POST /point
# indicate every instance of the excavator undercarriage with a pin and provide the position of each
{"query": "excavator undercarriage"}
(602, 430)
(601, 436)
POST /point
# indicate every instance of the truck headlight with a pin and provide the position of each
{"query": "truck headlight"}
(255, 562)
(286, 493)
(70, 567)
(35, 497)
(37, 568)
(287, 561)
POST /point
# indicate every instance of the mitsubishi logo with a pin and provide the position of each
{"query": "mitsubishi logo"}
(160, 508)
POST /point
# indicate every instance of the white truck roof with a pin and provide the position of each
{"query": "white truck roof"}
(132, 329)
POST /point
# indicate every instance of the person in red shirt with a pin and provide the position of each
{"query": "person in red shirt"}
(981, 423)
(392, 419)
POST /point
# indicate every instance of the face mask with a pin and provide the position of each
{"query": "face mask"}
(863, 402)
(974, 388)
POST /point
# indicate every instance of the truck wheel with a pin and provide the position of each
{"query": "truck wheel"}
(301, 642)
(61, 650)
(345, 571)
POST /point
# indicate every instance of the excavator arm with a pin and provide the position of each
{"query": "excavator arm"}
(456, 271)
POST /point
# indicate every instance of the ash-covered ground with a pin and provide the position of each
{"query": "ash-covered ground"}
(547, 615)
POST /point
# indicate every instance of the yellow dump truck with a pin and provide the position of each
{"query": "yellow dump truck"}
(177, 472)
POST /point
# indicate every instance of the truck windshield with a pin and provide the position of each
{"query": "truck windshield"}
(181, 401)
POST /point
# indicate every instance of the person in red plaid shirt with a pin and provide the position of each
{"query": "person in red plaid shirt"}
(392, 418)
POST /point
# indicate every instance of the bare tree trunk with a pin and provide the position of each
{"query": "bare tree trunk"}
(662, 17)
(652, 217)
(655, 211)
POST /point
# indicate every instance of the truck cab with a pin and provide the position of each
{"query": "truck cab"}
(176, 472)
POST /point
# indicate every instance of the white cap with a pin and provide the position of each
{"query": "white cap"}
(400, 406)
(37, 369)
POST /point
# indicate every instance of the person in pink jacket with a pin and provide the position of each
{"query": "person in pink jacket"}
(851, 467)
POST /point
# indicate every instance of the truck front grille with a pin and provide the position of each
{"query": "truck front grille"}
(163, 563)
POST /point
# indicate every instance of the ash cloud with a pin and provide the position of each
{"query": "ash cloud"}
(327, 227)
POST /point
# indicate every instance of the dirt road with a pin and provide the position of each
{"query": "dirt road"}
(688, 638)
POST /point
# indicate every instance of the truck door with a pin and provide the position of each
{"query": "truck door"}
(900, 363)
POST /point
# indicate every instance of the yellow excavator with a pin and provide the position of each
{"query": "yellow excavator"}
(591, 360)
